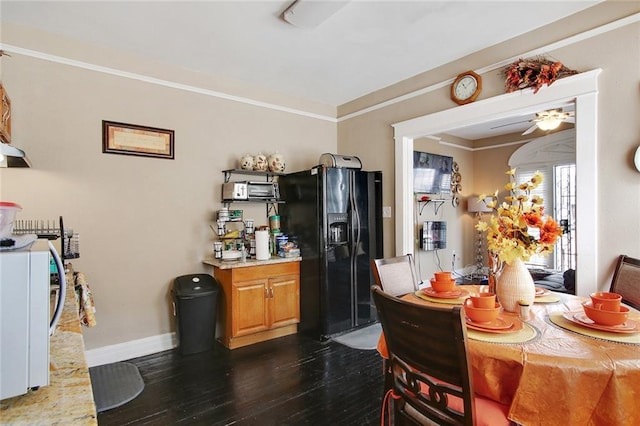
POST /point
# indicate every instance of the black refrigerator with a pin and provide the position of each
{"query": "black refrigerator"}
(335, 215)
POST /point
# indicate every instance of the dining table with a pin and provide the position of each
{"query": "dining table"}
(554, 366)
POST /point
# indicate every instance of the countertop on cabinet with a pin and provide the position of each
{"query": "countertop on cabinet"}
(225, 264)
(68, 400)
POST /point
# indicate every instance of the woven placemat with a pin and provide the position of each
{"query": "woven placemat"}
(527, 334)
(459, 301)
(558, 319)
(547, 298)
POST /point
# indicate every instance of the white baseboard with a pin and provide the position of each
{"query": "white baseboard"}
(131, 349)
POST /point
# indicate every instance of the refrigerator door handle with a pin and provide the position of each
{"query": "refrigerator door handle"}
(355, 243)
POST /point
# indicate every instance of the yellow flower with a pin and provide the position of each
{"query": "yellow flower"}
(536, 180)
(482, 226)
(491, 204)
(510, 186)
(511, 172)
(537, 200)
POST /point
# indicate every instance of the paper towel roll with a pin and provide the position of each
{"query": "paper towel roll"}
(262, 245)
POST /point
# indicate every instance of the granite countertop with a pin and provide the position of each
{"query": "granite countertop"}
(68, 400)
(225, 264)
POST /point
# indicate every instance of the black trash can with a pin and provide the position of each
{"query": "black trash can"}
(196, 299)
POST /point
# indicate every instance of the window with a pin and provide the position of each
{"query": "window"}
(558, 191)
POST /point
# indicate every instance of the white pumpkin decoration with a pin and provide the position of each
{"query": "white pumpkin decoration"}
(260, 163)
(246, 162)
(276, 163)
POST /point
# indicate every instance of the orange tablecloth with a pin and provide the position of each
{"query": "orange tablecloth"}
(559, 378)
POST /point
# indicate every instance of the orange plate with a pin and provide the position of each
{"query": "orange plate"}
(497, 324)
(455, 294)
(541, 291)
(515, 327)
(580, 318)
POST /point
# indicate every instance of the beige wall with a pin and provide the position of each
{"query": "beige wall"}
(615, 50)
(142, 221)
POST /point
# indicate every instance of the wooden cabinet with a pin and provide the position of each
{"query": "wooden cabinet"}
(5, 116)
(260, 302)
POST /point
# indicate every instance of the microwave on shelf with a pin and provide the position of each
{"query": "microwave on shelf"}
(245, 191)
(26, 313)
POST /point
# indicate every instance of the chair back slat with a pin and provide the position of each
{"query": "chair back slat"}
(396, 275)
(626, 280)
(426, 351)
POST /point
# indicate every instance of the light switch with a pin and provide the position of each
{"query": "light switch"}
(386, 211)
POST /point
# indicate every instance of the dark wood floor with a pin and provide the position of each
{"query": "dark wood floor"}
(293, 380)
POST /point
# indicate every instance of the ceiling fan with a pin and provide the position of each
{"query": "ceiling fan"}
(544, 120)
(550, 119)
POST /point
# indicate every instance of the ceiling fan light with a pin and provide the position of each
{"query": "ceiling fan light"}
(548, 123)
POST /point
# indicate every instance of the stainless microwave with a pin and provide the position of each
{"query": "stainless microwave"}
(245, 190)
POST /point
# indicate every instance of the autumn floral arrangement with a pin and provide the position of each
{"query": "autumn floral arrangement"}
(534, 73)
(519, 228)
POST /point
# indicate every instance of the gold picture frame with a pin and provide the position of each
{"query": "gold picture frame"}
(130, 139)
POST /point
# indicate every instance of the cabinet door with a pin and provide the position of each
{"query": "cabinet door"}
(250, 308)
(285, 300)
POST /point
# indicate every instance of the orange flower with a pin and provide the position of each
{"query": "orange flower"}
(550, 231)
(532, 219)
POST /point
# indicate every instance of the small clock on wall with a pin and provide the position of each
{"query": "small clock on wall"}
(466, 88)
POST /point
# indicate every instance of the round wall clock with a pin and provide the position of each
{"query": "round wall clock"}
(466, 88)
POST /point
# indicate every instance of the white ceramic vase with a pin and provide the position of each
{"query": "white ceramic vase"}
(515, 284)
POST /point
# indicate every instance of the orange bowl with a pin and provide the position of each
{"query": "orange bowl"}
(603, 317)
(442, 286)
(442, 276)
(481, 314)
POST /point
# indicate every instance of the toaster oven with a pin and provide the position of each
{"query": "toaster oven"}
(245, 190)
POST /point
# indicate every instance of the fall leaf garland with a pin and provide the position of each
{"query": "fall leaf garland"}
(534, 73)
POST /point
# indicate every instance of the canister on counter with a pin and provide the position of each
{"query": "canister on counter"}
(248, 226)
(217, 249)
(252, 247)
(273, 245)
(274, 223)
(221, 229)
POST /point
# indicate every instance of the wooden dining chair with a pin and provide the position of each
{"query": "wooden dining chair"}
(396, 275)
(626, 280)
(428, 357)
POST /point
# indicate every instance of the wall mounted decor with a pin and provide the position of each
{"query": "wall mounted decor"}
(466, 87)
(129, 139)
(534, 73)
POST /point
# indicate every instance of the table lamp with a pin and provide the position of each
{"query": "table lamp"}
(477, 206)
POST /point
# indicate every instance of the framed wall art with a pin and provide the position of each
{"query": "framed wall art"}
(130, 139)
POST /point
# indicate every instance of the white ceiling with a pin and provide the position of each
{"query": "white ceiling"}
(365, 46)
